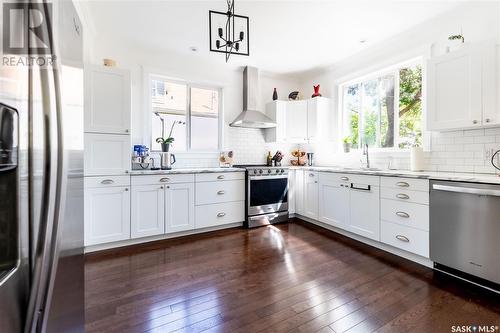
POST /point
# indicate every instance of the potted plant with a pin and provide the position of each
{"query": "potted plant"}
(347, 144)
(456, 42)
(166, 142)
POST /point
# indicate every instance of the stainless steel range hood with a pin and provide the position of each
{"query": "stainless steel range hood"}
(250, 117)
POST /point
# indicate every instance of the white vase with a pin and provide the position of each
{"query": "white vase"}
(416, 159)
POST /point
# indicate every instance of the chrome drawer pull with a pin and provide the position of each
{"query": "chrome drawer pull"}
(402, 196)
(164, 180)
(344, 178)
(221, 192)
(311, 175)
(220, 177)
(403, 238)
(221, 214)
(402, 184)
(108, 181)
(126, 189)
(403, 214)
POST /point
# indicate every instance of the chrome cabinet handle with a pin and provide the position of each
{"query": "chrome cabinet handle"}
(220, 177)
(403, 238)
(126, 189)
(221, 214)
(311, 175)
(487, 120)
(474, 122)
(221, 192)
(403, 214)
(402, 196)
(344, 178)
(402, 184)
(126, 131)
(164, 180)
(108, 181)
(161, 187)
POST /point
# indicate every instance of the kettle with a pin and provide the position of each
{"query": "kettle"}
(166, 160)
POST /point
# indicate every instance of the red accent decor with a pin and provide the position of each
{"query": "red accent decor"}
(316, 91)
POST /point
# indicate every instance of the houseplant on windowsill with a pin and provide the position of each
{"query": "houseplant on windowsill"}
(166, 142)
(347, 144)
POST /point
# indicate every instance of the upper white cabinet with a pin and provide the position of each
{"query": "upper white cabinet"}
(106, 154)
(179, 207)
(299, 121)
(461, 89)
(107, 100)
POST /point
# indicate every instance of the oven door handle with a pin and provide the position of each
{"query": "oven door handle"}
(268, 177)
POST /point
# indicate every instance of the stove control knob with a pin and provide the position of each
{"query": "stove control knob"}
(277, 170)
(260, 171)
(282, 170)
(255, 171)
(269, 171)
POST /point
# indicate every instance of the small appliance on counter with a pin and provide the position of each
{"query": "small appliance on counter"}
(140, 157)
(167, 159)
(226, 159)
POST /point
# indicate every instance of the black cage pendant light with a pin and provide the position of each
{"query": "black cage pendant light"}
(231, 32)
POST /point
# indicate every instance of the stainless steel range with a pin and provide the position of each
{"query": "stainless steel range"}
(266, 195)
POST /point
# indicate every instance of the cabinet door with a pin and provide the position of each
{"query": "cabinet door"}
(334, 203)
(454, 90)
(491, 84)
(296, 121)
(107, 215)
(311, 194)
(106, 154)
(318, 119)
(107, 100)
(276, 110)
(364, 214)
(291, 191)
(179, 207)
(299, 192)
(148, 213)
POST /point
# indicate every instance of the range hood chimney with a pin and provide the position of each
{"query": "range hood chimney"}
(251, 117)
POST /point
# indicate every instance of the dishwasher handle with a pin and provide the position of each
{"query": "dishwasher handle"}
(467, 190)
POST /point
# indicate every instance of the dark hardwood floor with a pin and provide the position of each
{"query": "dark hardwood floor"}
(290, 277)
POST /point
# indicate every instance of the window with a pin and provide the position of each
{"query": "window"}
(385, 110)
(193, 111)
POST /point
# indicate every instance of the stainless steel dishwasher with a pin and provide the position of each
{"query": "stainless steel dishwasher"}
(465, 230)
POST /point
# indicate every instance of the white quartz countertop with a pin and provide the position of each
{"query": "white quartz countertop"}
(184, 170)
(453, 176)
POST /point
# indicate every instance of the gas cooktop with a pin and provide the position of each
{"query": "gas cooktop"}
(262, 169)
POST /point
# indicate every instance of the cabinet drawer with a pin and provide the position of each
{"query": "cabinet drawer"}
(331, 177)
(107, 181)
(406, 183)
(405, 238)
(364, 180)
(404, 195)
(217, 176)
(221, 191)
(405, 213)
(162, 179)
(219, 214)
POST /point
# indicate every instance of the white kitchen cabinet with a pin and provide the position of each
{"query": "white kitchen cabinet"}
(219, 214)
(333, 200)
(460, 89)
(299, 192)
(291, 191)
(107, 100)
(311, 189)
(364, 215)
(107, 214)
(106, 154)
(299, 121)
(179, 207)
(148, 210)
(296, 121)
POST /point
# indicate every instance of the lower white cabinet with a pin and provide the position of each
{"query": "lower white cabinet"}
(148, 210)
(107, 214)
(364, 214)
(291, 191)
(311, 187)
(299, 192)
(405, 238)
(333, 201)
(179, 207)
(220, 214)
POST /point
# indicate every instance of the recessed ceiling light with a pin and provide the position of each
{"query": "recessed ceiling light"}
(193, 49)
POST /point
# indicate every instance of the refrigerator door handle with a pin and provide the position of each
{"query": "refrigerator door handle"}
(46, 255)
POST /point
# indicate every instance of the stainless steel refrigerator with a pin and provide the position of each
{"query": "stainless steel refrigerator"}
(41, 168)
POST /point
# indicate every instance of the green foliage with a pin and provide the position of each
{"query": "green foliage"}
(165, 141)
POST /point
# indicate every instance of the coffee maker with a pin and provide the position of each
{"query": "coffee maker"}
(167, 159)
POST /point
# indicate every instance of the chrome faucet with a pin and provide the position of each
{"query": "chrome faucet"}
(365, 152)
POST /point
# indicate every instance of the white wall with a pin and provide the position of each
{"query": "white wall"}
(478, 22)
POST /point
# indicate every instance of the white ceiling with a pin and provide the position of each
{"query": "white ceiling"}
(285, 36)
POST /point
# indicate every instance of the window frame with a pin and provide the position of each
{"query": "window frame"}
(148, 77)
(393, 69)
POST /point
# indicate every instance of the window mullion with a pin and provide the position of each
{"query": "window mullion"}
(360, 116)
(188, 117)
(396, 109)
